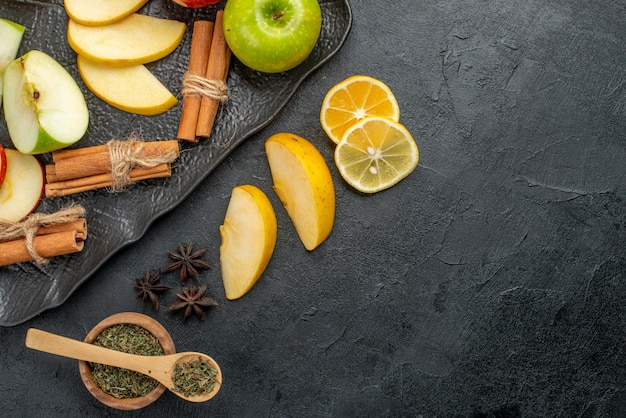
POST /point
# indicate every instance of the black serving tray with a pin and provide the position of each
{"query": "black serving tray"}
(116, 220)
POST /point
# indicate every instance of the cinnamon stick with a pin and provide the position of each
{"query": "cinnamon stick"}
(89, 161)
(41, 236)
(217, 71)
(198, 59)
(47, 246)
(78, 152)
(99, 181)
(80, 226)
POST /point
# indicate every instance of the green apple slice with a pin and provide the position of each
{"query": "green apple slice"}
(132, 88)
(138, 39)
(101, 12)
(23, 186)
(43, 106)
(11, 34)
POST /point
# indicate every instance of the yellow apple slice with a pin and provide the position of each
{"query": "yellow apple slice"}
(137, 39)
(22, 187)
(248, 239)
(132, 89)
(101, 12)
(304, 185)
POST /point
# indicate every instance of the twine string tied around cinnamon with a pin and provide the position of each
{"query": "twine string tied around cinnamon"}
(204, 87)
(28, 227)
(126, 155)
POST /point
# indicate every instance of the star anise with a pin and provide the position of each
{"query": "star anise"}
(188, 261)
(150, 288)
(193, 299)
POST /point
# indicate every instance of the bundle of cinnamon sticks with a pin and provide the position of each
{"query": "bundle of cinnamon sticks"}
(42, 236)
(205, 82)
(82, 169)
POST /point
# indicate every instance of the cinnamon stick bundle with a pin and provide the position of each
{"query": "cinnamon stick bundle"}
(198, 59)
(101, 181)
(113, 165)
(89, 161)
(42, 236)
(216, 74)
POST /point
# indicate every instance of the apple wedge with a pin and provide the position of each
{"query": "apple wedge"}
(43, 106)
(133, 89)
(3, 164)
(22, 188)
(248, 239)
(304, 185)
(137, 39)
(11, 34)
(101, 12)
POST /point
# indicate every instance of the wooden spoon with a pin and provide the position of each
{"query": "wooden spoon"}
(159, 368)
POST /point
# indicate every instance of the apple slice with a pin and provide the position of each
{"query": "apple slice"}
(132, 89)
(43, 106)
(304, 185)
(248, 239)
(3, 164)
(11, 34)
(101, 12)
(196, 4)
(137, 39)
(23, 185)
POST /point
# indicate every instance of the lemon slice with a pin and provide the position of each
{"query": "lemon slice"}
(353, 99)
(376, 153)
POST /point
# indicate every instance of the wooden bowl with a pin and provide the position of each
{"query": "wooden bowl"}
(143, 321)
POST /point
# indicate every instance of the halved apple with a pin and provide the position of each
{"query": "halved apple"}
(101, 12)
(248, 239)
(304, 185)
(3, 164)
(43, 106)
(11, 34)
(137, 39)
(23, 185)
(132, 89)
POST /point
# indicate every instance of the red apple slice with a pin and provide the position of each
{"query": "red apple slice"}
(22, 187)
(195, 4)
(3, 164)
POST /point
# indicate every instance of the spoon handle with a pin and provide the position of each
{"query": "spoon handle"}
(67, 347)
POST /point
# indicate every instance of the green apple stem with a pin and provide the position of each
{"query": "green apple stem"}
(279, 15)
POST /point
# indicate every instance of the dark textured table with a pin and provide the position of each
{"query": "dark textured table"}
(490, 282)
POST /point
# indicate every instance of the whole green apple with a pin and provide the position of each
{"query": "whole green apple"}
(44, 108)
(272, 36)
